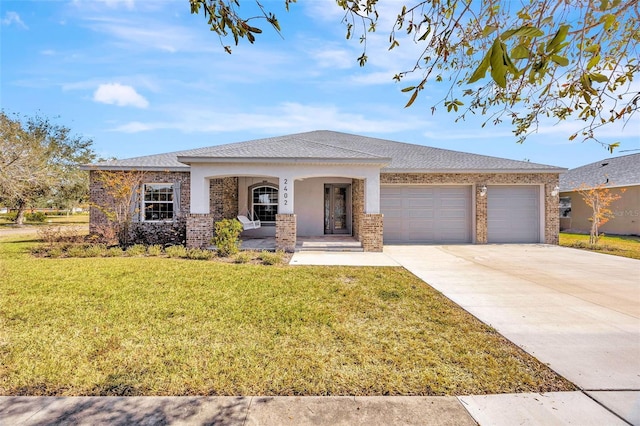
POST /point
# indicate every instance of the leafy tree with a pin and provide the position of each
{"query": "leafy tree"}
(123, 195)
(599, 198)
(544, 58)
(37, 159)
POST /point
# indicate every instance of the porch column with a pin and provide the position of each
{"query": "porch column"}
(371, 223)
(286, 224)
(199, 219)
(199, 191)
(481, 215)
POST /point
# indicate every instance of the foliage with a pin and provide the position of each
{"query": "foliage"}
(123, 191)
(154, 250)
(243, 257)
(199, 254)
(271, 258)
(546, 58)
(157, 326)
(136, 250)
(38, 159)
(35, 217)
(599, 198)
(226, 237)
(176, 251)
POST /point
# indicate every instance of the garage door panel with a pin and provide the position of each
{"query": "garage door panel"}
(426, 214)
(513, 214)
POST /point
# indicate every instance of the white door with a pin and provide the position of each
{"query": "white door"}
(513, 214)
(426, 214)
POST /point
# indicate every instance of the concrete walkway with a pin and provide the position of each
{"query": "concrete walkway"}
(577, 311)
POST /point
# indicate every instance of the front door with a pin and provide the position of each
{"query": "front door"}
(336, 209)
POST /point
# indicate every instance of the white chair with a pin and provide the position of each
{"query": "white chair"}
(249, 223)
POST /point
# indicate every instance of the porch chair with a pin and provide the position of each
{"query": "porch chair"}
(250, 222)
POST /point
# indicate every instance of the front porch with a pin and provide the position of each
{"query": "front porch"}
(328, 207)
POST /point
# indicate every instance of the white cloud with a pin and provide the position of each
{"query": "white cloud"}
(287, 117)
(112, 4)
(13, 18)
(118, 94)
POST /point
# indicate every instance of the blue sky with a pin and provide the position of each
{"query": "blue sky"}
(146, 77)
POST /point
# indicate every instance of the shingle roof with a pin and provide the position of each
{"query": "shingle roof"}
(616, 171)
(327, 145)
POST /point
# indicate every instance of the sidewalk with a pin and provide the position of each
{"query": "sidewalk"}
(560, 408)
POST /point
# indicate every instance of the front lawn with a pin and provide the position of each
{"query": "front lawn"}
(626, 246)
(159, 326)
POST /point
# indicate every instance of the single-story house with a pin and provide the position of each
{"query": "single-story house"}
(622, 176)
(323, 182)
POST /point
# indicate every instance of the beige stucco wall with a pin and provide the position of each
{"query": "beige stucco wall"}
(309, 204)
(626, 213)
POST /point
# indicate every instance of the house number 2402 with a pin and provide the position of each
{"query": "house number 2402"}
(285, 192)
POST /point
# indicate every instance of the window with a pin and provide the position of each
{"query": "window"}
(157, 201)
(565, 207)
(264, 202)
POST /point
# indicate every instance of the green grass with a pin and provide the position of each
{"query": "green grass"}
(626, 246)
(74, 219)
(161, 326)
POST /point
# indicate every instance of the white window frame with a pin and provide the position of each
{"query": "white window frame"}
(252, 205)
(146, 202)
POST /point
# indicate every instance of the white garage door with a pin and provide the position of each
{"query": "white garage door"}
(426, 214)
(513, 214)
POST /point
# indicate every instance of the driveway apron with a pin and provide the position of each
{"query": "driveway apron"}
(577, 311)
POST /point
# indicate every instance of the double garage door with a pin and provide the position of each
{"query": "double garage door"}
(424, 214)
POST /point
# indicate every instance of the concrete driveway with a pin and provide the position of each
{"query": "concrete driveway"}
(577, 311)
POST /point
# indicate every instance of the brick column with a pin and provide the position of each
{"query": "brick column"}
(286, 232)
(199, 230)
(371, 231)
(552, 214)
(481, 216)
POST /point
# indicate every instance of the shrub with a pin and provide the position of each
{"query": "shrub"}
(76, 251)
(271, 258)
(114, 252)
(243, 257)
(95, 250)
(11, 216)
(154, 250)
(136, 250)
(199, 254)
(227, 233)
(176, 251)
(35, 217)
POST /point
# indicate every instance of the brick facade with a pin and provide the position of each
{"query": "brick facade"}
(165, 232)
(199, 230)
(286, 232)
(371, 232)
(223, 198)
(548, 180)
(196, 230)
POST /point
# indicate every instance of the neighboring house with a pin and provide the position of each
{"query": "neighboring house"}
(323, 182)
(616, 173)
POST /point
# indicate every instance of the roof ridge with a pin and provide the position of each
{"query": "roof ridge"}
(342, 148)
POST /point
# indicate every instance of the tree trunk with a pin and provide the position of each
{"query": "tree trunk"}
(20, 216)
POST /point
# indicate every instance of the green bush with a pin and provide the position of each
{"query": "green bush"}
(35, 217)
(154, 250)
(114, 252)
(95, 250)
(243, 257)
(227, 233)
(136, 250)
(271, 258)
(11, 216)
(199, 254)
(176, 251)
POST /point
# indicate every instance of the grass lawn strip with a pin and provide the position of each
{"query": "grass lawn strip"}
(626, 246)
(159, 326)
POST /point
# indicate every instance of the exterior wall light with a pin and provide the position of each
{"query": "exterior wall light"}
(483, 190)
(556, 191)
